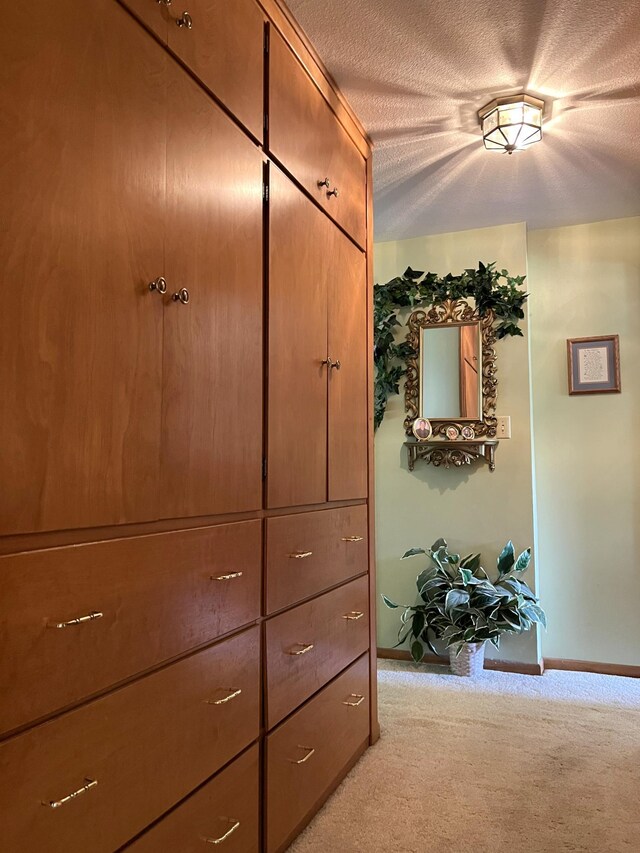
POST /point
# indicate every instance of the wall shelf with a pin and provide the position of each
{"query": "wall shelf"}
(452, 453)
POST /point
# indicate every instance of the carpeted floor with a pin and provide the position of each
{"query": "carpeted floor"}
(505, 764)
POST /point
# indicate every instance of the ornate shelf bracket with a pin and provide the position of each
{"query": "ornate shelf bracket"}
(452, 453)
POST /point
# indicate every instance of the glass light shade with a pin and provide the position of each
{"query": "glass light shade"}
(511, 124)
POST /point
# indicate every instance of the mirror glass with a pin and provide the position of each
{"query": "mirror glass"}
(451, 372)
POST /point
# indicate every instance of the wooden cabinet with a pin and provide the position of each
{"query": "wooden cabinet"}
(80, 334)
(308, 753)
(120, 404)
(225, 811)
(134, 753)
(222, 43)
(310, 644)
(104, 611)
(312, 551)
(212, 367)
(186, 222)
(308, 140)
(318, 306)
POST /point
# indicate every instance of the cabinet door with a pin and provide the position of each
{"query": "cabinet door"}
(212, 392)
(300, 244)
(348, 421)
(307, 138)
(82, 203)
(224, 47)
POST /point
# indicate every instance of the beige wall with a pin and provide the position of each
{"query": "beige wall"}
(585, 280)
(472, 508)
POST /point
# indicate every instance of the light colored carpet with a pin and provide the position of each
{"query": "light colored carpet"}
(505, 764)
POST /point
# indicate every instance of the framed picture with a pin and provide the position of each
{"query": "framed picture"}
(594, 365)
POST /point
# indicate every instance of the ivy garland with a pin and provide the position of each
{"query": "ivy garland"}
(490, 289)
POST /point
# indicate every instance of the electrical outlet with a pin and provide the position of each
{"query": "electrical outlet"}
(504, 427)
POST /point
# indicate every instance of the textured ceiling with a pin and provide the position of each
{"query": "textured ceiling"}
(417, 71)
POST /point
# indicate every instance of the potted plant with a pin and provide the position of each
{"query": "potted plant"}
(461, 606)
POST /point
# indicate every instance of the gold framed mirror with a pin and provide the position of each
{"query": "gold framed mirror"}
(451, 371)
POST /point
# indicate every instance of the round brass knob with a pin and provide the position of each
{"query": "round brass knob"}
(185, 21)
(324, 183)
(336, 364)
(333, 192)
(182, 296)
(158, 284)
(164, 2)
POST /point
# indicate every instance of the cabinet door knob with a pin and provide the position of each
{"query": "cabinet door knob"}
(224, 837)
(335, 364)
(334, 192)
(164, 2)
(185, 21)
(182, 296)
(327, 361)
(158, 284)
(324, 183)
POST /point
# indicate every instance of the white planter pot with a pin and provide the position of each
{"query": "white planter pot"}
(469, 661)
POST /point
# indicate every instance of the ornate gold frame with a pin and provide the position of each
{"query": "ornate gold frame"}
(453, 312)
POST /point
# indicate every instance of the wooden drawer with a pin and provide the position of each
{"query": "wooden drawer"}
(146, 746)
(158, 595)
(308, 645)
(307, 138)
(224, 47)
(225, 812)
(309, 753)
(312, 551)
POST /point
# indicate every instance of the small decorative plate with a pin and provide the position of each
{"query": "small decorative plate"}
(422, 429)
(452, 432)
(468, 433)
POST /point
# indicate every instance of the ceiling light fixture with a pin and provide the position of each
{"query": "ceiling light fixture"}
(511, 124)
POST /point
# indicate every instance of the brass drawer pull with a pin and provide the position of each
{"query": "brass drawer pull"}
(324, 183)
(55, 804)
(335, 364)
(309, 750)
(158, 284)
(353, 616)
(185, 21)
(301, 651)
(334, 192)
(353, 538)
(226, 577)
(79, 620)
(359, 700)
(224, 837)
(300, 555)
(232, 695)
